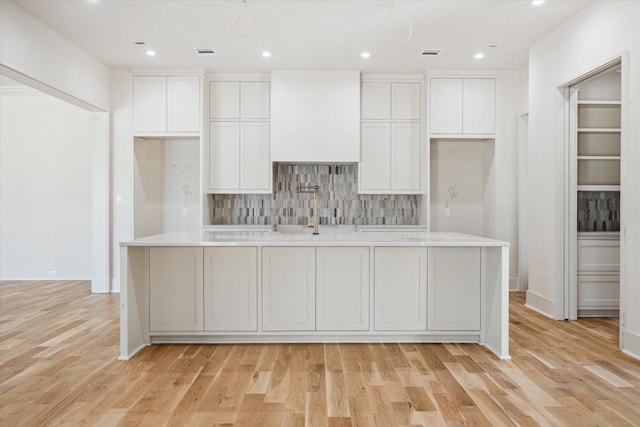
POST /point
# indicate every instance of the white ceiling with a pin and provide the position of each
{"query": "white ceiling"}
(306, 34)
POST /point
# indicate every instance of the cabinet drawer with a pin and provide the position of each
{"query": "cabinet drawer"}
(599, 292)
(598, 256)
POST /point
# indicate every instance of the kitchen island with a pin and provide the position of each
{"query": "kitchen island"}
(263, 287)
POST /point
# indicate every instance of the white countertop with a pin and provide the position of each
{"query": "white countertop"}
(253, 238)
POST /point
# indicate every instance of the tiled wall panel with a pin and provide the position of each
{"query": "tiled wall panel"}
(338, 200)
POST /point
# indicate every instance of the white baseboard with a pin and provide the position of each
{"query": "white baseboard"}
(542, 305)
(115, 285)
(514, 284)
(630, 344)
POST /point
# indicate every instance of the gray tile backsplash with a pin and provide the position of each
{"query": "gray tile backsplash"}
(338, 200)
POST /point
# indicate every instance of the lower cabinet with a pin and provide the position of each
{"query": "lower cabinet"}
(288, 288)
(231, 289)
(454, 289)
(342, 289)
(175, 289)
(598, 275)
(400, 286)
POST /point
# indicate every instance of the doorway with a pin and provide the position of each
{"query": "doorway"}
(593, 193)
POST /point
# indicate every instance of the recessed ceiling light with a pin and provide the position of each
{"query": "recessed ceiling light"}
(150, 52)
(365, 55)
(537, 2)
(479, 55)
(266, 54)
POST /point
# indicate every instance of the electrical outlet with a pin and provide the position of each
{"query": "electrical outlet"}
(447, 211)
(119, 199)
(185, 210)
(53, 273)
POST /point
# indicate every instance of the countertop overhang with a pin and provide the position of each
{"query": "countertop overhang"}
(260, 238)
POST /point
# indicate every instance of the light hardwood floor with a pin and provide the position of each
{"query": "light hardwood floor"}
(59, 345)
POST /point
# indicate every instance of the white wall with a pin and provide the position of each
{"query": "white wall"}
(600, 32)
(506, 167)
(45, 187)
(32, 49)
(166, 190)
(121, 167)
(459, 163)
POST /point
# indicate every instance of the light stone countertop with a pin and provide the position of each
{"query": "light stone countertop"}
(325, 238)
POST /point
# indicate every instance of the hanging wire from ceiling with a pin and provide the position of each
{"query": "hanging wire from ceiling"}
(387, 23)
(245, 13)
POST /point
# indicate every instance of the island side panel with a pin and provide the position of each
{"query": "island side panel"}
(496, 309)
(134, 294)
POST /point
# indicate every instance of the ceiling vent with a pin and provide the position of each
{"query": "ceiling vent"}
(431, 52)
(205, 51)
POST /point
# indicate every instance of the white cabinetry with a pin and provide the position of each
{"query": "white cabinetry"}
(595, 160)
(175, 289)
(598, 274)
(288, 288)
(166, 104)
(400, 289)
(390, 146)
(239, 133)
(231, 289)
(454, 289)
(342, 289)
(238, 100)
(239, 157)
(462, 106)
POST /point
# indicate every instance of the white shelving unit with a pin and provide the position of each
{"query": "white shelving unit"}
(596, 130)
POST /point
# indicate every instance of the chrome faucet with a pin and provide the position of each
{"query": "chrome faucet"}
(312, 189)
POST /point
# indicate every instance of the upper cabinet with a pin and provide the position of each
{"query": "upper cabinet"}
(239, 100)
(238, 149)
(166, 104)
(390, 138)
(462, 106)
(391, 101)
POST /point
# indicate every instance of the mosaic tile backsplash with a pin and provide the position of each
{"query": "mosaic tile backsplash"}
(598, 211)
(338, 200)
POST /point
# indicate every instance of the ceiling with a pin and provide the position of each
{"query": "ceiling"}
(306, 34)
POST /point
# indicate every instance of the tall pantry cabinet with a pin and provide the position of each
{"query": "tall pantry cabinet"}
(595, 174)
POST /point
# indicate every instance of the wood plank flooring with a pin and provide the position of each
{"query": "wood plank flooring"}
(58, 366)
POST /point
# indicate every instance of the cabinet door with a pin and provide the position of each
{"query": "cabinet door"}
(254, 100)
(479, 106)
(374, 168)
(224, 156)
(405, 156)
(149, 104)
(400, 284)
(445, 106)
(255, 164)
(454, 289)
(375, 101)
(183, 104)
(224, 100)
(342, 289)
(406, 101)
(288, 289)
(175, 289)
(231, 289)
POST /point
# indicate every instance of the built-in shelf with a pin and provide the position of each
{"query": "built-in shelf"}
(599, 130)
(598, 102)
(598, 157)
(598, 187)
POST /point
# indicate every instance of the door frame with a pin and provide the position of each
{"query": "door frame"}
(566, 283)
